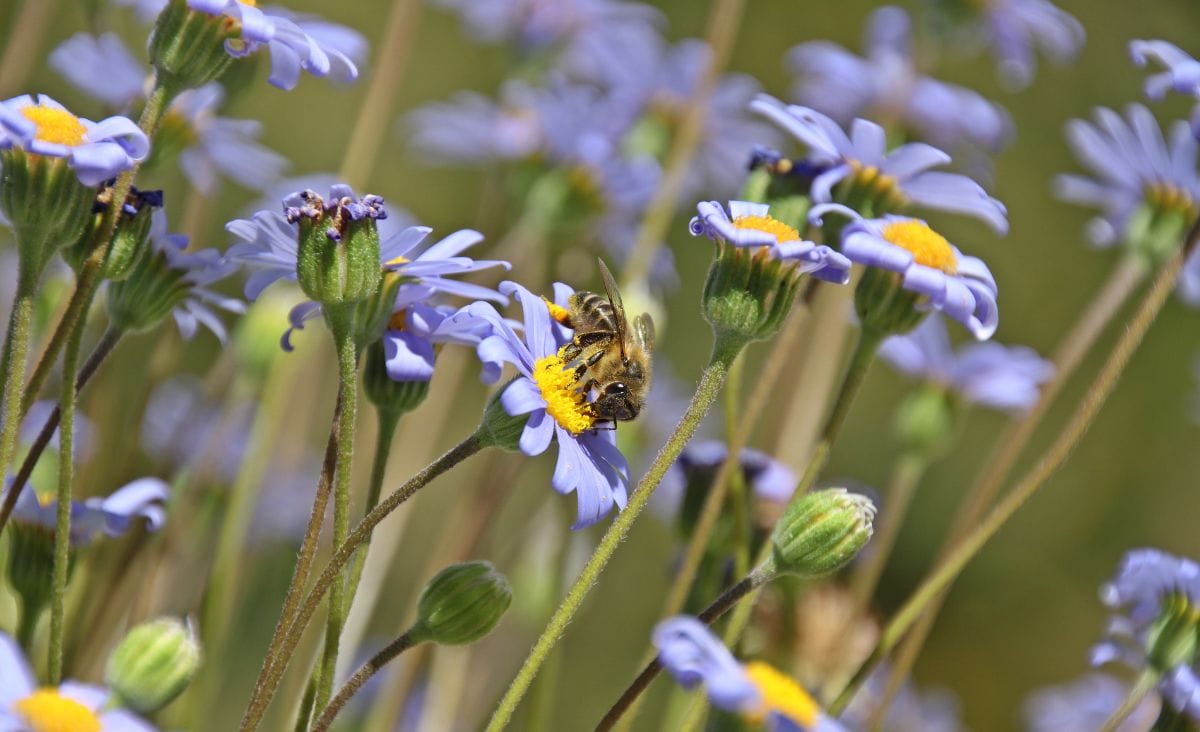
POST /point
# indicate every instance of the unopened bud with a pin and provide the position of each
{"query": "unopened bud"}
(461, 604)
(822, 531)
(337, 260)
(153, 664)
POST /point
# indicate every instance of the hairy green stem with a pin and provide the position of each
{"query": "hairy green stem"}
(1053, 458)
(719, 607)
(272, 673)
(706, 394)
(338, 604)
(360, 677)
(17, 350)
(388, 420)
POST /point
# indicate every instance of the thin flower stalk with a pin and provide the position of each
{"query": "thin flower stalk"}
(360, 677)
(962, 553)
(16, 350)
(385, 434)
(272, 673)
(705, 396)
(1141, 688)
(1109, 300)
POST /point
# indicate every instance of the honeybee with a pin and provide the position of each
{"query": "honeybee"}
(608, 355)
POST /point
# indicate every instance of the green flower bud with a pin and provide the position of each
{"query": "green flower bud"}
(148, 294)
(821, 532)
(461, 604)
(389, 395)
(153, 664)
(187, 47)
(30, 565)
(1174, 637)
(499, 428)
(45, 203)
(926, 419)
(337, 260)
(130, 238)
(748, 293)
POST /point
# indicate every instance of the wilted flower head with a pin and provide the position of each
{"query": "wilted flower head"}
(1157, 600)
(96, 151)
(884, 181)
(1139, 179)
(997, 376)
(113, 516)
(1086, 704)
(1181, 72)
(589, 463)
(927, 265)
(755, 691)
(885, 84)
(69, 706)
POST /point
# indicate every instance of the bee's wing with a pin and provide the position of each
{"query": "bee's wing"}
(614, 299)
(643, 332)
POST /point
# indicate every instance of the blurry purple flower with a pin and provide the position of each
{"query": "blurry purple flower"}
(410, 349)
(997, 376)
(912, 710)
(1084, 705)
(101, 67)
(905, 171)
(112, 516)
(198, 270)
(589, 463)
(96, 151)
(1132, 165)
(1015, 27)
(751, 225)
(471, 129)
(184, 427)
(598, 40)
(1139, 594)
(959, 286)
(1181, 73)
(85, 431)
(885, 84)
(770, 479)
(24, 705)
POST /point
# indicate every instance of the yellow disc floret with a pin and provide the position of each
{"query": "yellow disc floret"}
(781, 695)
(927, 246)
(1167, 197)
(45, 710)
(767, 224)
(565, 401)
(57, 126)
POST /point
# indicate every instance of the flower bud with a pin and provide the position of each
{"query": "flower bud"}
(1174, 637)
(187, 47)
(926, 420)
(337, 260)
(148, 294)
(748, 293)
(129, 239)
(153, 664)
(821, 532)
(461, 604)
(30, 564)
(499, 428)
(389, 395)
(45, 204)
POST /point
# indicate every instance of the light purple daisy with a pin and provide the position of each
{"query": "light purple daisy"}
(472, 129)
(410, 339)
(1015, 28)
(1131, 165)
(950, 282)
(111, 516)
(904, 172)
(749, 224)
(1181, 72)
(25, 705)
(885, 84)
(1002, 377)
(692, 654)
(1138, 595)
(1084, 705)
(589, 463)
(96, 151)
(770, 479)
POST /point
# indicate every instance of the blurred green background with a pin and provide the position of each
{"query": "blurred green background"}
(1023, 615)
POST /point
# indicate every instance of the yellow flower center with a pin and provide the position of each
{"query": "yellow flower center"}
(927, 246)
(251, 3)
(565, 402)
(396, 261)
(781, 695)
(558, 312)
(57, 126)
(45, 710)
(1169, 198)
(780, 230)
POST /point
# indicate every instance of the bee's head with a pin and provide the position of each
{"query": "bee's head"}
(616, 402)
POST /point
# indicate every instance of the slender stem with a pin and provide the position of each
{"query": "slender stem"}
(76, 310)
(706, 394)
(738, 513)
(1080, 339)
(906, 474)
(723, 23)
(66, 475)
(308, 551)
(1101, 387)
(338, 604)
(272, 672)
(1145, 683)
(389, 420)
(719, 607)
(17, 348)
(360, 677)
